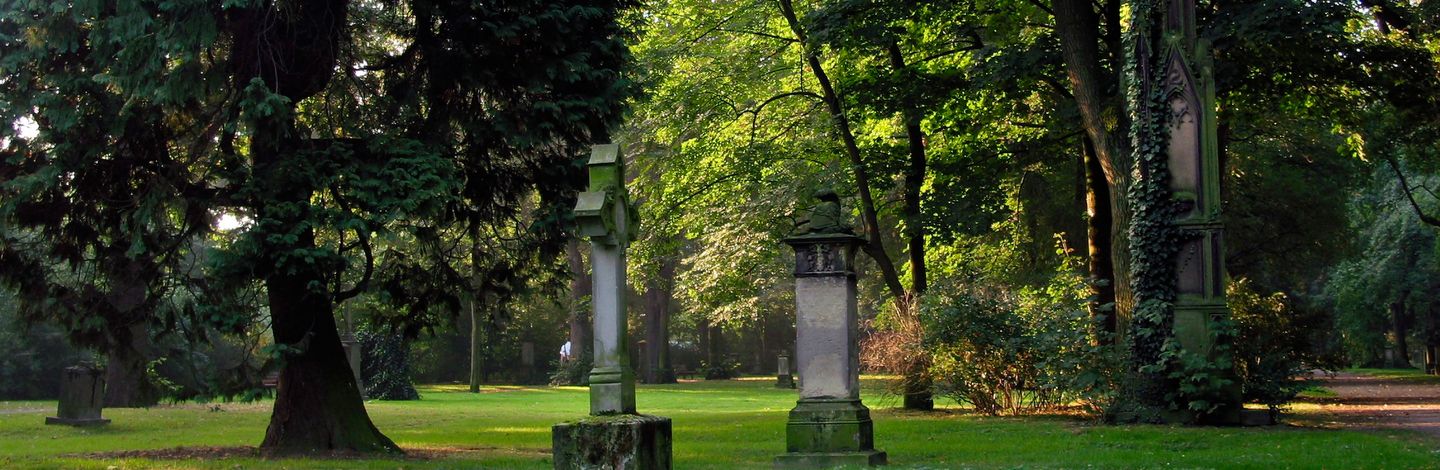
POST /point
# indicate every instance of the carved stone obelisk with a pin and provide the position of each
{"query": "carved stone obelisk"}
(614, 436)
(1183, 76)
(829, 426)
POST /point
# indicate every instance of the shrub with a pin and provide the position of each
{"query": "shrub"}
(1026, 351)
(571, 372)
(723, 369)
(1273, 348)
(385, 366)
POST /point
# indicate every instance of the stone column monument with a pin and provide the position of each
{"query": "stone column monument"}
(1194, 165)
(829, 426)
(614, 436)
(82, 395)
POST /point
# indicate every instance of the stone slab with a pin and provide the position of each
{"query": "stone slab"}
(826, 348)
(612, 442)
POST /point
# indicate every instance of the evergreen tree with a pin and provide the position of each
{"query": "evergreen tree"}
(332, 126)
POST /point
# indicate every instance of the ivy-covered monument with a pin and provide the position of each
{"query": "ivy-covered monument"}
(614, 436)
(1180, 330)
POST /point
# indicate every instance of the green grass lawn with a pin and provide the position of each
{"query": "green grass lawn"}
(1408, 375)
(726, 424)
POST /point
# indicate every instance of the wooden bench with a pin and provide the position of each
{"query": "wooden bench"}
(682, 372)
(271, 381)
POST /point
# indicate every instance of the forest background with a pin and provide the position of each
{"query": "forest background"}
(980, 146)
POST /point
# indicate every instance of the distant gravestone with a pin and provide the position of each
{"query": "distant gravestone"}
(351, 345)
(783, 379)
(614, 436)
(82, 395)
(829, 426)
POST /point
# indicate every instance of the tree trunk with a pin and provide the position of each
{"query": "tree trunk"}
(875, 247)
(476, 337)
(1098, 234)
(579, 298)
(1077, 23)
(127, 384)
(291, 47)
(657, 325)
(914, 180)
(317, 405)
(1399, 327)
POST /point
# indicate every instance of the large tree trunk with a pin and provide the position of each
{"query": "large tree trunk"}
(127, 384)
(657, 326)
(579, 292)
(1077, 24)
(1400, 331)
(317, 404)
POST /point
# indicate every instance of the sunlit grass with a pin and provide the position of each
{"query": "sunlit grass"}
(717, 424)
(1408, 375)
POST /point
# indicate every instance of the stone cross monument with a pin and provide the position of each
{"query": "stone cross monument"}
(614, 436)
(829, 426)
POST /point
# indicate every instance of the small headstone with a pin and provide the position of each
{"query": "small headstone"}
(82, 395)
(783, 379)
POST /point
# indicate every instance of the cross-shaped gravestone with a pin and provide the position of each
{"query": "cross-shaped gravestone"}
(605, 216)
(614, 437)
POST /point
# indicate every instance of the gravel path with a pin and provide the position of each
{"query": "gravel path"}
(17, 411)
(1365, 401)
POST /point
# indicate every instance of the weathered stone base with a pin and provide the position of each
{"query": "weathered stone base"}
(77, 422)
(612, 442)
(785, 381)
(829, 432)
(870, 458)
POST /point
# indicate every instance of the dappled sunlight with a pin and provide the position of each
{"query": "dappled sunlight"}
(463, 388)
(514, 429)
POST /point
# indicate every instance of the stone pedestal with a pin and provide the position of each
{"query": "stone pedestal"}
(613, 442)
(82, 395)
(829, 425)
(783, 379)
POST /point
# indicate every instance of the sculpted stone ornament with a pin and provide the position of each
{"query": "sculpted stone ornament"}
(826, 217)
